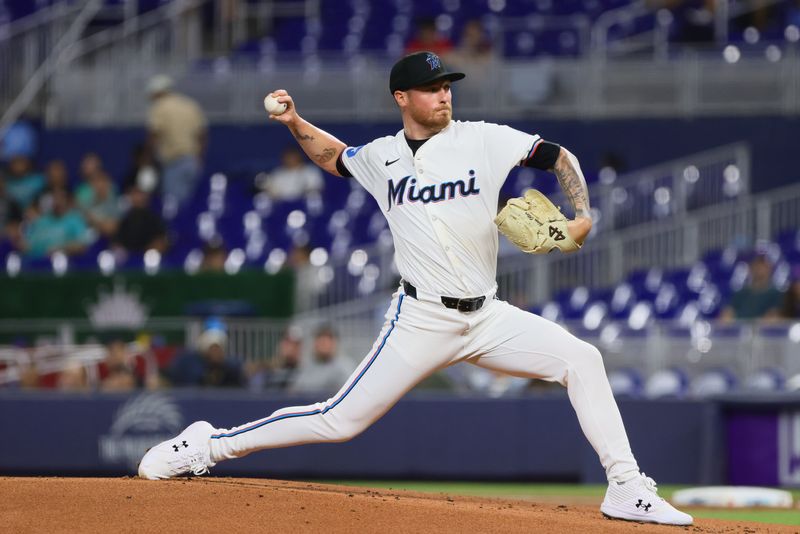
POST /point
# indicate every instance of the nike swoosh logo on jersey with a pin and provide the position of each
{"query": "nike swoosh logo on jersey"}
(390, 162)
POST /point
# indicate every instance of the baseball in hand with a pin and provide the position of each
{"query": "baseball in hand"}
(272, 105)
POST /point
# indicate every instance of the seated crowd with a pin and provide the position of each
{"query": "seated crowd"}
(127, 365)
(41, 213)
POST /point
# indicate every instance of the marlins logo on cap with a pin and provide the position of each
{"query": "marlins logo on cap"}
(418, 69)
(434, 61)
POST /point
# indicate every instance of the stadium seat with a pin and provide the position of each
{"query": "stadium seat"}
(713, 382)
(666, 383)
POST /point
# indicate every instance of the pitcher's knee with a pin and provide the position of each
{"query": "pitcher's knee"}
(588, 356)
(343, 430)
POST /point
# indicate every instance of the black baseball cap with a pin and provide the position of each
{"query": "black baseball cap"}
(420, 68)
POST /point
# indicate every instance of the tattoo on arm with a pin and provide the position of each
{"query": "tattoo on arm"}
(572, 182)
(301, 137)
(326, 156)
(318, 145)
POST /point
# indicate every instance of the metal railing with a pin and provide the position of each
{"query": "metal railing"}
(712, 177)
(739, 349)
(26, 44)
(102, 80)
(653, 39)
(231, 92)
(668, 244)
(44, 71)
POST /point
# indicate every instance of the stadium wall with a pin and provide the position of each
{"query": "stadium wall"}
(424, 436)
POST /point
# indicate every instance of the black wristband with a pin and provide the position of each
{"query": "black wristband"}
(544, 155)
(340, 168)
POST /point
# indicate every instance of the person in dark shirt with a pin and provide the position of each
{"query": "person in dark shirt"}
(57, 179)
(23, 182)
(759, 299)
(791, 300)
(141, 228)
(209, 365)
(281, 370)
(10, 213)
(428, 38)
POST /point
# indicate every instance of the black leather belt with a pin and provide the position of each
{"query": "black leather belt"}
(462, 305)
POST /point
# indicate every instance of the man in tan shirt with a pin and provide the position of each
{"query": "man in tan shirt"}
(178, 134)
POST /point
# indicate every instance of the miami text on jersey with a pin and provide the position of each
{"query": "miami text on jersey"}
(407, 188)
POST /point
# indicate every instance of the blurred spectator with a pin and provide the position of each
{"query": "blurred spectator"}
(694, 19)
(56, 179)
(473, 56)
(141, 228)
(474, 49)
(19, 139)
(328, 371)
(299, 257)
(757, 300)
(214, 256)
(56, 175)
(762, 15)
(294, 178)
(427, 38)
(22, 182)
(62, 229)
(791, 300)
(97, 197)
(10, 214)
(91, 166)
(178, 134)
(282, 370)
(208, 366)
(73, 377)
(307, 281)
(29, 376)
(118, 369)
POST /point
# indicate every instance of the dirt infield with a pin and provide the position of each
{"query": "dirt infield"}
(90, 505)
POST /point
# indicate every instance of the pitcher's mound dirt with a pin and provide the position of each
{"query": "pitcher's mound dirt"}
(95, 505)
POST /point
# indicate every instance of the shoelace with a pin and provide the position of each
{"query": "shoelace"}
(200, 469)
(190, 462)
(649, 483)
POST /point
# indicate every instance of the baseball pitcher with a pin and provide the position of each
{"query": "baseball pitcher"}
(437, 181)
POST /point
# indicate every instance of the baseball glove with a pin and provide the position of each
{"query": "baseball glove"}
(535, 225)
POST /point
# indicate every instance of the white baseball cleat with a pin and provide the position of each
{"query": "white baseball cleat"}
(637, 500)
(188, 452)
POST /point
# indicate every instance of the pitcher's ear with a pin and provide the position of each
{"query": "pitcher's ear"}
(400, 98)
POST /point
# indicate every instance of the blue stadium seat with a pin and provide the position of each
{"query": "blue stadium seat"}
(626, 382)
(667, 383)
(712, 382)
(765, 380)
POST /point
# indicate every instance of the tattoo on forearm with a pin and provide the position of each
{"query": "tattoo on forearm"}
(326, 156)
(301, 137)
(573, 184)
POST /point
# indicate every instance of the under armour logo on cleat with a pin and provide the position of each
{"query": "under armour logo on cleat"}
(645, 506)
(556, 234)
(177, 447)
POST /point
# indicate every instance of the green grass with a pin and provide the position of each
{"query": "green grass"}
(522, 490)
(780, 517)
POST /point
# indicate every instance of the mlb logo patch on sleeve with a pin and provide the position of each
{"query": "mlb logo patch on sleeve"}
(353, 150)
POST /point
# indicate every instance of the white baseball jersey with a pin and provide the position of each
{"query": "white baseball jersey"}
(441, 202)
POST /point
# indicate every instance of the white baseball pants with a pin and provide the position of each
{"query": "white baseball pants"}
(421, 337)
